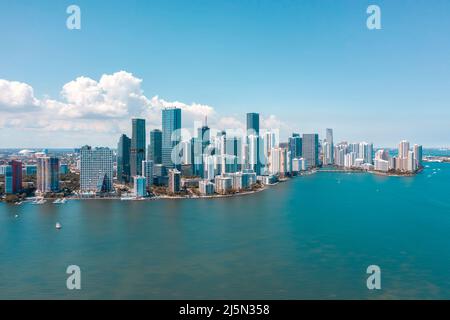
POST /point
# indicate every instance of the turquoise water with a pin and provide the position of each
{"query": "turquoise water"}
(311, 237)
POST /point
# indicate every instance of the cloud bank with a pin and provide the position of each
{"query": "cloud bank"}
(105, 106)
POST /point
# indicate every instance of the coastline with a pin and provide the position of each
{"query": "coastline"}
(244, 193)
(215, 196)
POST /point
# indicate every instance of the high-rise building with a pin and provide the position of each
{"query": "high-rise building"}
(140, 186)
(402, 159)
(253, 124)
(270, 142)
(7, 169)
(234, 148)
(96, 174)
(197, 157)
(209, 167)
(137, 149)
(253, 154)
(174, 180)
(186, 153)
(382, 154)
(418, 155)
(221, 143)
(171, 135)
(13, 177)
(366, 152)
(411, 162)
(155, 147)
(279, 161)
(310, 149)
(328, 148)
(295, 145)
(204, 134)
(123, 159)
(340, 152)
(403, 149)
(228, 163)
(47, 175)
(147, 172)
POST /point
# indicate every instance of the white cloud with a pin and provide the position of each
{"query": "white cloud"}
(103, 107)
(114, 96)
(16, 95)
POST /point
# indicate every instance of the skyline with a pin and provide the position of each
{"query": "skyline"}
(303, 67)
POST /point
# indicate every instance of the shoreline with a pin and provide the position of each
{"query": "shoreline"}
(219, 196)
(215, 196)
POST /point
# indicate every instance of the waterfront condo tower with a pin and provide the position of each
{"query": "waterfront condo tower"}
(310, 149)
(137, 149)
(47, 176)
(96, 174)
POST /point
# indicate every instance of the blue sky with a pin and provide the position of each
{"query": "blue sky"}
(310, 64)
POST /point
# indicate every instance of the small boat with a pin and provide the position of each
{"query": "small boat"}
(57, 201)
(16, 216)
(58, 225)
(39, 201)
(127, 198)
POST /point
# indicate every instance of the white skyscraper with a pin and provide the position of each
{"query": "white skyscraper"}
(366, 152)
(209, 171)
(275, 161)
(411, 162)
(328, 148)
(253, 152)
(403, 150)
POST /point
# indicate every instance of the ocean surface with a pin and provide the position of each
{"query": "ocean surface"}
(310, 237)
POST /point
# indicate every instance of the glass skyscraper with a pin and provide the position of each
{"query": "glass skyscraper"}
(123, 159)
(137, 149)
(155, 148)
(310, 149)
(253, 123)
(171, 136)
(295, 146)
